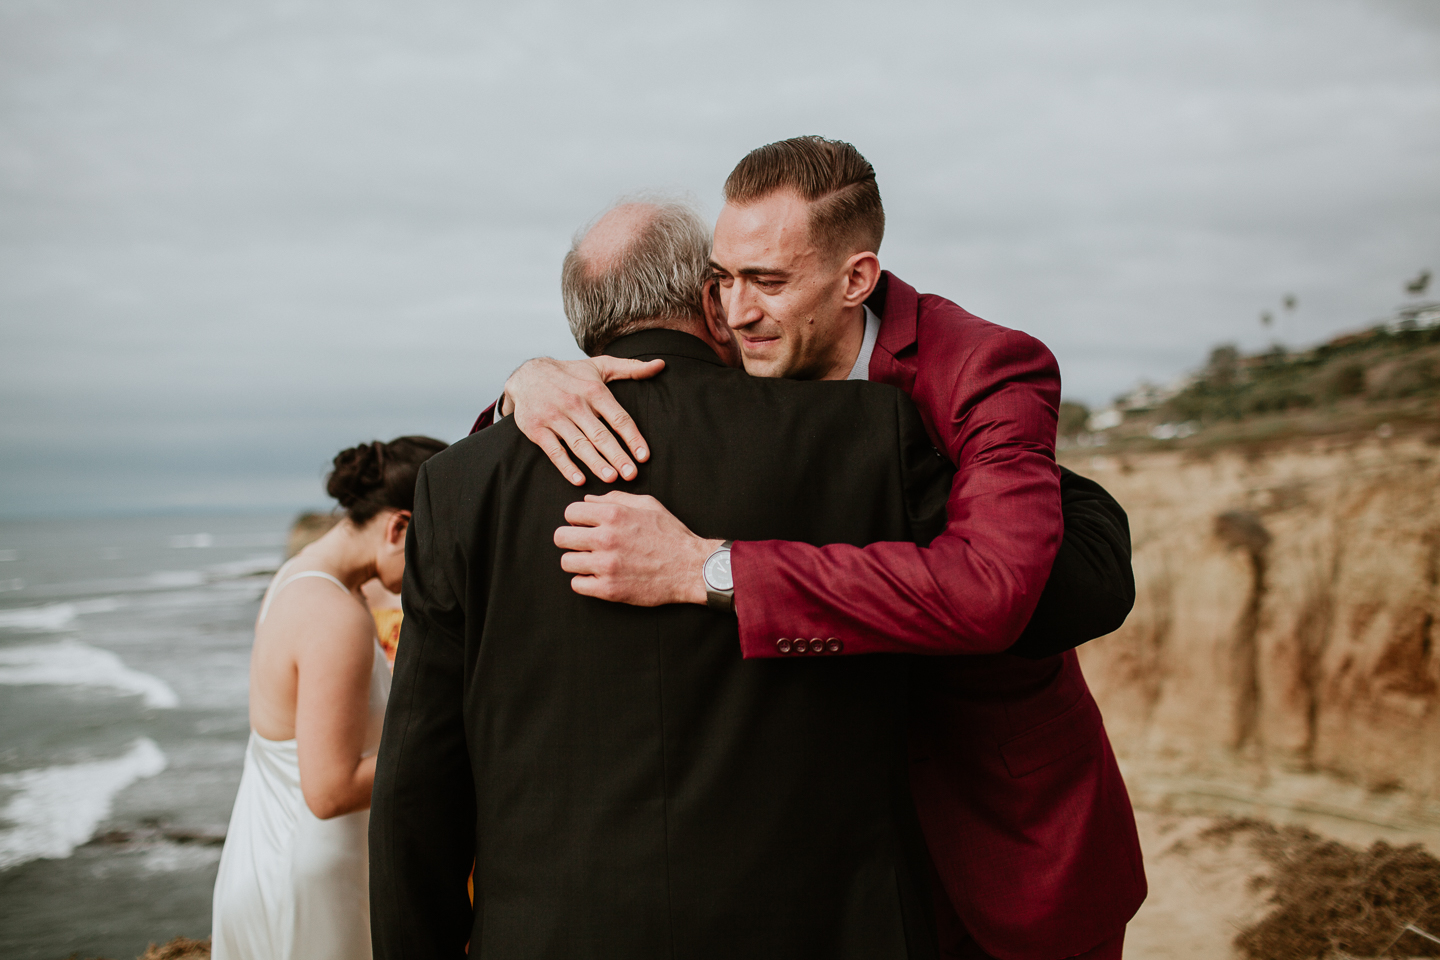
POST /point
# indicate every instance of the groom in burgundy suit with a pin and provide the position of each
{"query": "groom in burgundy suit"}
(1025, 814)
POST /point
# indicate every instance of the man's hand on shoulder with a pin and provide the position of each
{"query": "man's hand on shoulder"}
(630, 549)
(562, 404)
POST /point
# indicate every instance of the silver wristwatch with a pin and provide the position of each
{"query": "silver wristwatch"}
(719, 581)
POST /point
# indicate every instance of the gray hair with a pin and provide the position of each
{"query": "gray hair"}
(659, 276)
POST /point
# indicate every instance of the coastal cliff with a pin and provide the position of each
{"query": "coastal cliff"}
(1281, 656)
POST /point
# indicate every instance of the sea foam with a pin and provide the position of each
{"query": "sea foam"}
(248, 567)
(171, 579)
(56, 809)
(71, 663)
(54, 617)
(51, 617)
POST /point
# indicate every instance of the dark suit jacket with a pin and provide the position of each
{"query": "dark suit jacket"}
(1091, 587)
(627, 785)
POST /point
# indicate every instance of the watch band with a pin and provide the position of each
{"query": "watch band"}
(716, 597)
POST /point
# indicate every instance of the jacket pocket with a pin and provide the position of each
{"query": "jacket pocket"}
(1054, 739)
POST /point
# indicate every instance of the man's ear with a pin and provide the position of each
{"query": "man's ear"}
(715, 313)
(862, 273)
(722, 338)
(396, 527)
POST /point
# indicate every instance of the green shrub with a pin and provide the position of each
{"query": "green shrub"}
(1347, 381)
(1409, 379)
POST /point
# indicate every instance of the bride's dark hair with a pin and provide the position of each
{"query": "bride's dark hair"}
(373, 476)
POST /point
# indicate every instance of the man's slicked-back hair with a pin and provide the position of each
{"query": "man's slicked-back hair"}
(658, 276)
(846, 215)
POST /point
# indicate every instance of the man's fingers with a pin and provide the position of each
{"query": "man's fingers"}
(615, 368)
(624, 498)
(555, 450)
(570, 400)
(621, 498)
(622, 423)
(581, 562)
(603, 440)
(576, 537)
(597, 509)
(585, 450)
(589, 587)
(618, 368)
(588, 513)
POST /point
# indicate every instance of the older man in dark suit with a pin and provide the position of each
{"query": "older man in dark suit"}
(625, 783)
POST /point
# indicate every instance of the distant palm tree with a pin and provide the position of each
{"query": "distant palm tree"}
(1417, 286)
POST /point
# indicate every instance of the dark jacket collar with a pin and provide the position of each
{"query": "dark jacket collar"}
(662, 342)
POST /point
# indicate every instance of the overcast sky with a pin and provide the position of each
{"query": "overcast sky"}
(238, 236)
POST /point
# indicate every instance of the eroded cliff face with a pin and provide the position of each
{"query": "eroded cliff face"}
(1284, 622)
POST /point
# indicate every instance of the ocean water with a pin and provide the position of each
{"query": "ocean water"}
(124, 660)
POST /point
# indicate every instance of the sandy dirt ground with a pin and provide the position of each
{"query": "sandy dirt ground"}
(1201, 894)
(1204, 890)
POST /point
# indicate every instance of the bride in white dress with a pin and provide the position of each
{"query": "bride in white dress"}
(294, 873)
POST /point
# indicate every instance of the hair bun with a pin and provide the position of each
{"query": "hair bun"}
(358, 473)
(377, 476)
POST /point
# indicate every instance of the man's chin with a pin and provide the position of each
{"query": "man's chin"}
(767, 367)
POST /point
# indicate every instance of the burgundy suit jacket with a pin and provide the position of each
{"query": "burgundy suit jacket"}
(1023, 807)
(1024, 811)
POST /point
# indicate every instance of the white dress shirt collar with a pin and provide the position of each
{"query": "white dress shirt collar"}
(861, 370)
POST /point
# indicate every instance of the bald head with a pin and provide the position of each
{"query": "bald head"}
(603, 246)
(641, 265)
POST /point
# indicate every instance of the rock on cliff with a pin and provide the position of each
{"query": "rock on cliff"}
(1282, 648)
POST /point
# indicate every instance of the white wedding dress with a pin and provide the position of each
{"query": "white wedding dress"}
(292, 886)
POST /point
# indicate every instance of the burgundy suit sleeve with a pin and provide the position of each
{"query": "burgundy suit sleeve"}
(975, 586)
(487, 417)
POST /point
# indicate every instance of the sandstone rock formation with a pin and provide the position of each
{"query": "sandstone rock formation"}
(307, 528)
(1282, 650)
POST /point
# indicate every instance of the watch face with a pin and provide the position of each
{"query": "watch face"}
(717, 571)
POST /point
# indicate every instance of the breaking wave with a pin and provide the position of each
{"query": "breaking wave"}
(56, 809)
(75, 664)
(53, 617)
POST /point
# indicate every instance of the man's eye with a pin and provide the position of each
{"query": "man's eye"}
(768, 284)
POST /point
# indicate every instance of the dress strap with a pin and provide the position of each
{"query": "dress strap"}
(265, 608)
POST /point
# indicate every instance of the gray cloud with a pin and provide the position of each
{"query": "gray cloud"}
(236, 237)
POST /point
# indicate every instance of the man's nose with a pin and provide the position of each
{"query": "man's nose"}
(742, 309)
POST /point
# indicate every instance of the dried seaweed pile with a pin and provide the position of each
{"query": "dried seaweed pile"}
(1331, 900)
(181, 948)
